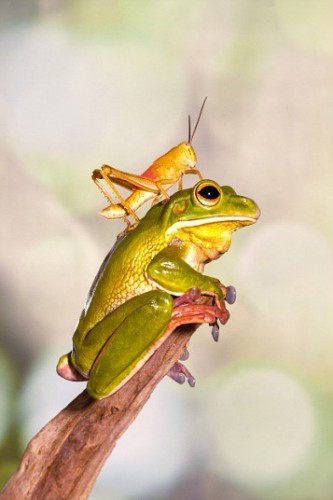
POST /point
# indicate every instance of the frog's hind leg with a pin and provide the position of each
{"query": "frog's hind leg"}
(130, 335)
(141, 328)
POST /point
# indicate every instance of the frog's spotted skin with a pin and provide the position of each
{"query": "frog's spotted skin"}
(130, 267)
(131, 304)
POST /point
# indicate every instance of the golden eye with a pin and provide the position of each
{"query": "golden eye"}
(208, 194)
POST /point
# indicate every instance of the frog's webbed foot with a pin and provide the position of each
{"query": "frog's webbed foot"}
(187, 298)
(179, 373)
(187, 309)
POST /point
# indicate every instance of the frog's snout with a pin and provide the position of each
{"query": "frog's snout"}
(252, 208)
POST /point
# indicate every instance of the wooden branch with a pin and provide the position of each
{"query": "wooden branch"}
(64, 459)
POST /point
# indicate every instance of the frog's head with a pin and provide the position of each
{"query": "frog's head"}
(207, 215)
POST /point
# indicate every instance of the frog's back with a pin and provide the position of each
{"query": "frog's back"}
(122, 274)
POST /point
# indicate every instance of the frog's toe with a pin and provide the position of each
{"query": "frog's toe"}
(179, 378)
(185, 356)
(191, 381)
(179, 373)
(231, 295)
(215, 331)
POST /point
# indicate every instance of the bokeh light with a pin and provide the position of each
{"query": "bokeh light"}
(85, 83)
(265, 425)
(7, 389)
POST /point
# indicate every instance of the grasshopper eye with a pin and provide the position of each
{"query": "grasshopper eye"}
(208, 193)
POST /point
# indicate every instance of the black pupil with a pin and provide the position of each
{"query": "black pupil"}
(209, 192)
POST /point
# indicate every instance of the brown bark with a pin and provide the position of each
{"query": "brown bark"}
(64, 459)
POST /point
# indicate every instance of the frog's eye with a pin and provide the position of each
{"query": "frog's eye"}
(208, 194)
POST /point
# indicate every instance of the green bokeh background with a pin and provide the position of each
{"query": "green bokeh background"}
(91, 82)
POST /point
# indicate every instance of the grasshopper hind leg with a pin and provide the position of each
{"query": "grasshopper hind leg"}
(97, 176)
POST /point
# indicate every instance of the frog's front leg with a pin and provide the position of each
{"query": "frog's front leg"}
(171, 272)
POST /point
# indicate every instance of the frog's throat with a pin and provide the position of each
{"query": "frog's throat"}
(246, 220)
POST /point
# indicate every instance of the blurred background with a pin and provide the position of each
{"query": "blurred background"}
(85, 83)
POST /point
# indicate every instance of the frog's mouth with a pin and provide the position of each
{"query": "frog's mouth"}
(233, 221)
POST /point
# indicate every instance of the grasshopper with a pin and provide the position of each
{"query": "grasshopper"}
(153, 183)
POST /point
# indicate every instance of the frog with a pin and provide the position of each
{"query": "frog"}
(154, 276)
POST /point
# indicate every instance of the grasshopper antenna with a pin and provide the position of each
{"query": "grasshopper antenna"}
(189, 129)
(196, 125)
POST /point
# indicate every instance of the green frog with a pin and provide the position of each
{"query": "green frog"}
(151, 281)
